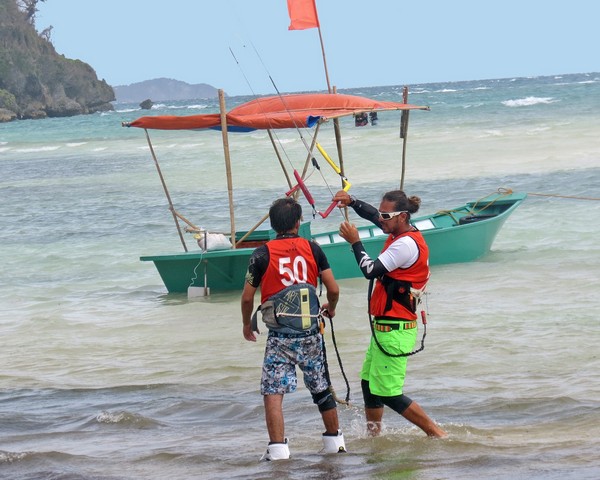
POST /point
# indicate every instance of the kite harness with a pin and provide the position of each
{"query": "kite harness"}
(415, 302)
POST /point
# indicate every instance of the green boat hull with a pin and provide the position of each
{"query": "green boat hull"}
(453, 236)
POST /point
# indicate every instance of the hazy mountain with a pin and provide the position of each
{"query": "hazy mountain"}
(162, 89)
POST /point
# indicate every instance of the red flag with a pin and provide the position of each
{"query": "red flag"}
(303, 14)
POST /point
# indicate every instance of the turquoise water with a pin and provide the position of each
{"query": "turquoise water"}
(105, 376)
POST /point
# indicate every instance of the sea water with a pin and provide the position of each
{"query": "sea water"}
(106, 376)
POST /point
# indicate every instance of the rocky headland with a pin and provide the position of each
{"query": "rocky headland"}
(37, 82)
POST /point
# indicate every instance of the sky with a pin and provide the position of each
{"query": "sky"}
(245, 48)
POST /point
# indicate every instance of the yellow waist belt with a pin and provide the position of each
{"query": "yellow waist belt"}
(388, 327)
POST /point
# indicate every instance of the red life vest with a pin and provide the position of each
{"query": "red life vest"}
(416, 276)
(291, 261)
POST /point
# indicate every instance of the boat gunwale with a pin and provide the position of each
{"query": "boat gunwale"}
(513, 200)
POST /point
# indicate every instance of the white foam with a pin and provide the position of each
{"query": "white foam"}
(38, 149)
(528, 101)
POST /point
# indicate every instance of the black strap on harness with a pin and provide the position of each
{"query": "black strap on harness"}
(322, 314)
(383, 350)
(399, 291)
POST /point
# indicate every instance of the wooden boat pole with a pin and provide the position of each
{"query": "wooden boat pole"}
(164, 185)
(338, 142)
(247, 234)
(404, 134)
(311, 150)
(336, 122)
(190, 224)
(287, 177)
(227, 162)
(324, 59)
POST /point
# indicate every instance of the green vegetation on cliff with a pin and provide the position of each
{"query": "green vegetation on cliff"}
(37, 82)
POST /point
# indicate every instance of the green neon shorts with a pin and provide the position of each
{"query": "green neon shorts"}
(386, 374)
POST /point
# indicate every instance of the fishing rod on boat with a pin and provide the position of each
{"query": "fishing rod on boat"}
(271, 134)
(345, 183)
(300, 185)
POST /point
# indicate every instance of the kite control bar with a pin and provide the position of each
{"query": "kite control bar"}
(302, 186)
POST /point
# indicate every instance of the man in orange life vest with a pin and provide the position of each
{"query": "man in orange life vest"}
(401, 272)
(287, 269)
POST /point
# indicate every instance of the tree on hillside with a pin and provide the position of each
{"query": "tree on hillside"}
(46, 33)
(29, 7)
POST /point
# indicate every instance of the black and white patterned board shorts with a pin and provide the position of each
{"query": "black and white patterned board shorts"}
(281, 357)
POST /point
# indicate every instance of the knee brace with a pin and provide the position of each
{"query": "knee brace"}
(371, 401)
(324, 400)
(399, 403)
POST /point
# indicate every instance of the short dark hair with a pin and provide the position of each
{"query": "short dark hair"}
(284, 214)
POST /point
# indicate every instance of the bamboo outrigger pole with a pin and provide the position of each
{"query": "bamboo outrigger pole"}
(164, 185)
(287, 177)
(227, 162)
(311, 150)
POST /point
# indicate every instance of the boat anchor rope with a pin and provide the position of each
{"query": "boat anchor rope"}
(475, 211)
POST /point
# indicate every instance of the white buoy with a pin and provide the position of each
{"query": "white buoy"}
(198, 292)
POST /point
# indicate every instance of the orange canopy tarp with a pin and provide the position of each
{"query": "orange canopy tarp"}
(285, 111)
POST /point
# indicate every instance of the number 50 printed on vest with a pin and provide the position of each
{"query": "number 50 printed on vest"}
(292, 272)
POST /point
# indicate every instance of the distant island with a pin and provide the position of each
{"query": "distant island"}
(163, 89)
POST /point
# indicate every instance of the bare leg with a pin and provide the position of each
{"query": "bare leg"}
(415, 414)
(330, 420)
(274, 417)
(374, 416)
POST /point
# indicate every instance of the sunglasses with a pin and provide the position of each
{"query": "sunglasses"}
(390, 215)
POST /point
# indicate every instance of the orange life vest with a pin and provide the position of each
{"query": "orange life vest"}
(401, 280)
(290, 303)
(291, 261)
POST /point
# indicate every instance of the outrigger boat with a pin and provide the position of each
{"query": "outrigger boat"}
(462, 234)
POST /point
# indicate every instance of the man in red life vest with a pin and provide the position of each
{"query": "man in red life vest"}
(287, 269)
(401, 272)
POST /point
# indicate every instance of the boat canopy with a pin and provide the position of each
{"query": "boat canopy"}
(281, 111)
